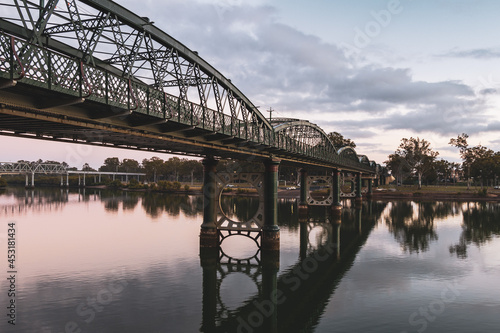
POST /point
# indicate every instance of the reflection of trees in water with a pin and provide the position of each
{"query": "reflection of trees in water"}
(111, 204)
(481, 223)
(130, 200)
(413, 223)
(243, 208)
(156, 204)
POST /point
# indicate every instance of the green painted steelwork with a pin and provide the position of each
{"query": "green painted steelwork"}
(358, 185)
(271, 196)
(336, 188)
(303, 187)
(118, 60)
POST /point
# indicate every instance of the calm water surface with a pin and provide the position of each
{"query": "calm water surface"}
(99, 261)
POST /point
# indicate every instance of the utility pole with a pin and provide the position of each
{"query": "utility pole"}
(270, 113)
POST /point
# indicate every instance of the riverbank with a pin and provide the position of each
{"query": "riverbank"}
(460, 193)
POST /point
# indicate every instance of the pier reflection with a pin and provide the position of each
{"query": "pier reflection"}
(291, 299)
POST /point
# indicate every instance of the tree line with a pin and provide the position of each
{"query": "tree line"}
(415, 161)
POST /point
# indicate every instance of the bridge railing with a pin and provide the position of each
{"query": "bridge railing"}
(48, 69)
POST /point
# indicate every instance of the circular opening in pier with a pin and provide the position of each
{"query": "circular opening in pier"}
(347, 187)
(239, 247)
(239, 201)
(319, 190)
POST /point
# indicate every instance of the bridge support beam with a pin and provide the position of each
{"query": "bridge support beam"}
(270, 230)
(370, 188)
(303, 192)
(336, 205)
(359, 196)
(208, 232)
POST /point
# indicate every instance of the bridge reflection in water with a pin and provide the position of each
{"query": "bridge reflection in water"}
(294, 299)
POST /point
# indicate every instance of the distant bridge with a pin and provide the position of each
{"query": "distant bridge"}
(93, 72)
(27, 169)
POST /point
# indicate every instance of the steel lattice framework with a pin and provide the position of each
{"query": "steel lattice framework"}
(111, 62)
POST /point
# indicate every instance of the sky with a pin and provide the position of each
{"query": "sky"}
(375, 71)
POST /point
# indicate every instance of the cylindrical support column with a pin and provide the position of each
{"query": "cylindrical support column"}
(208, 232)
(303, 187)
(27, 180)
(99, 178)
(84, 180)
(370, 187)
(359, 197)
(270, 230)
(303, 192)
(336, 205)
(62, 181)
(67, 179)
(79, 180)
(33, 179)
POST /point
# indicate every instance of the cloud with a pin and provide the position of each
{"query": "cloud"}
(473, 53)
(278, 66)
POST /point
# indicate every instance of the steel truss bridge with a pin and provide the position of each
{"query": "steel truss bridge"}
(93, 72)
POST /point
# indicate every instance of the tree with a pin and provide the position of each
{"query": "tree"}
(153, 167)
(339, 141)
(478, 161)
(172, 167)
(129, 165)
(87, 167)
(111, 164)
(443, 170)
(398, 166)
(192, 168)
(418, 155)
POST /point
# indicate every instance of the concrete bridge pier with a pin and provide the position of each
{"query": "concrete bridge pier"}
(336, 205)
(270, 231)
(32, 185)
(208, 232)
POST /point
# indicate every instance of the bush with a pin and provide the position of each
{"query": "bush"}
(3, 182)
(115, 184)
(186, 188)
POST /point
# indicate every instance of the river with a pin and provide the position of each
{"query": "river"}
(103, 261)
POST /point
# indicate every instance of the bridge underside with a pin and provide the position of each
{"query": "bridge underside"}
(50, 116)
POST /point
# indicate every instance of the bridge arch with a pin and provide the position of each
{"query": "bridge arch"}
(147, 64)
(349, 153)
(303, 135)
